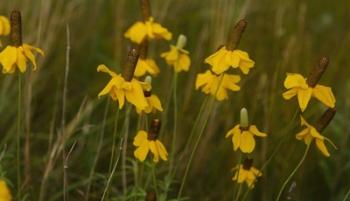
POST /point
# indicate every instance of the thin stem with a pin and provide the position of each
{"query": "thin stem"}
(293, 172)
(125, 146)
(19, 131)
(245, 195)
(173, 146)
(203, 125)
(239, 192)
(109, 180)
(98, 150)
(114, 138)
(347, 195)
(236, 194)
(154, 177)
(64, 103)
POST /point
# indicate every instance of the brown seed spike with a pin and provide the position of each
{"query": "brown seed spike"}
(154, 129)
(151, 196)
(143, 49)
(16, 28)
(325, 119)
(145, 9)
(317, 72)
(130, 66)
(236, 34)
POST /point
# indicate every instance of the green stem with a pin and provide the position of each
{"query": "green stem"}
(154, 177)
(173, 146)
(293, 172)
(98, 150)
(236, 194)
(188, 165)
(125, 146)
(245, 194)
(347, 195)
(19, 131)
(114, 138)
(239, 192)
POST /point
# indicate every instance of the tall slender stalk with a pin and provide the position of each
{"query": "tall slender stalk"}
(236, 193)
(98, 150)
(292, 173)
(114, 138)
(125, 146)
(63, 120)
(19, 132)
(173, 146)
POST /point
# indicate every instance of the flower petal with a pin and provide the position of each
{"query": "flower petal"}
(247, 142)
(137, 32)
(325, 95)
(290, 93)
(142, 151)
(322, 147)
(294, 80)
(253, 129)
(8, 58)
(304, 96)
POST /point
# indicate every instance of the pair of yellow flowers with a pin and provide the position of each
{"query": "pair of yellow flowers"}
(16, 56)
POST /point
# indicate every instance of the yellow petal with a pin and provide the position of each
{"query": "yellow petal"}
(304, 96)
(222, 60)
(8, 58)
(121, 98)
(154, 150)
(302, 134)
(21, 60)
(105, 69)
(290, 93)
(322, 147)
(294, 80)
(142, 151)
(324, 94)
(253, 129)
(204, 79)
(107, 88)
(236, 138)
(140, 137)
(155, 102)
(135, 95)
(162, 151)
(28, 53)
(247, 142)
(4, 26)
(160, 32)
(137, 32)
(245, 63)
(5, 194)
(183, 63)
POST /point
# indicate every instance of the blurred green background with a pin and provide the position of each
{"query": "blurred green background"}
(282, 36)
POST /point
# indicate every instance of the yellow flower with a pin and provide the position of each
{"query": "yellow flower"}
(310, 133)
(246, 173)
(223, 59)
(4, 26)
(297, 85)
(153, 105)
(5, 194)
(217, 85)
(243, 138)
(13, 56)
(144, 66)
(177, 56)
(146, 142)
(147, 30)
(119, 89)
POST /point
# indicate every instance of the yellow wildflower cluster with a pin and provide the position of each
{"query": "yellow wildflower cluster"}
(18, 54)
(304, 89)
(217, 81)
(148, 142)
(243, 139)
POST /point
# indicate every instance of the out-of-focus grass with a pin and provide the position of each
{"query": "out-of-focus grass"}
(282, 36)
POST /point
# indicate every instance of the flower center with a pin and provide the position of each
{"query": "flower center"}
(154, 130)
(247, 163)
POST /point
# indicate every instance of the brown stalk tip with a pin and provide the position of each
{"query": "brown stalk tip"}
(325, 119)
(143, 49)
(16, 28)
(130, 66)
(154, 129)
(236, 34)
(151, 196)
(317, 72)
(145, 9)
(247, 163)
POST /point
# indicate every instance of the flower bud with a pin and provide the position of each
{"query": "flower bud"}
(181, 41)
(244, 123)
